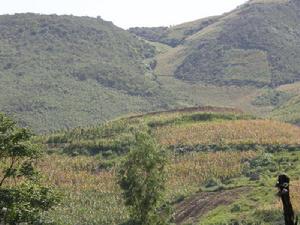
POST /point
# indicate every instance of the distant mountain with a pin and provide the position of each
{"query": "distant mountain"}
(173, 36)
(244, 58)
(64, 71)
(256, 44)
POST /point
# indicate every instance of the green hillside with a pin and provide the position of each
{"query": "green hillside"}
(256, 44)
(242, 59)
(60, 72)
(289, 110)
(64, 71)
(222, 167)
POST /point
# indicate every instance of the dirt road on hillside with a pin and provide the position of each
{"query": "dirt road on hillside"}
(191, 209)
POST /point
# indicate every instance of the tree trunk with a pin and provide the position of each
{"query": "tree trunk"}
(283, 184)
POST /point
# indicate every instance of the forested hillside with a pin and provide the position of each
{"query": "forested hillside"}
(65, 71)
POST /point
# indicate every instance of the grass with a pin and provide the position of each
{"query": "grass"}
(261, 206)
(63, 81)
(174, 35)
(53, 77)
(289, 111)
(91, 195)
(271, 97)
(234, 48)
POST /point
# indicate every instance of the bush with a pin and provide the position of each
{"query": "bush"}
(235, 208)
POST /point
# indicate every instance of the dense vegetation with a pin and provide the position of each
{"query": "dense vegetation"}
(142, 178)
(200, 129)
(82, 48)
(64, 71)
(255, 45)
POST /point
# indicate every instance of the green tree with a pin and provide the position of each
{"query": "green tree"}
(142, 180)
(22, 197)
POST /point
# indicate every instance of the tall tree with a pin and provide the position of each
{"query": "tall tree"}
(142, 179)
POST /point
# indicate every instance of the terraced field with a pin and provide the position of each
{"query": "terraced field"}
(212, 152)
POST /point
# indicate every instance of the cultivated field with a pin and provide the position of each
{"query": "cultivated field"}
(83, 164)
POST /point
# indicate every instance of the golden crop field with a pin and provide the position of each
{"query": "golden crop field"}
(92, 196)
(189, 171)
(229, 132)
(295, 195)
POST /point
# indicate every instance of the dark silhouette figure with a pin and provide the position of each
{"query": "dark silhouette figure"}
(283, 184)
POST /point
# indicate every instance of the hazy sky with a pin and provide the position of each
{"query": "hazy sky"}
(126, 13)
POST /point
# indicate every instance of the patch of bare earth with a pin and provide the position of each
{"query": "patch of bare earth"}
(193, 208)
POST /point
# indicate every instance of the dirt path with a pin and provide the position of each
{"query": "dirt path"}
(191, 209)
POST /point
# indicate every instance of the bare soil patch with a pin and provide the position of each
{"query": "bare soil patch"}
(199, 204)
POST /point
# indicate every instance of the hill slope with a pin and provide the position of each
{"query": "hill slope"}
(60, 72)
(204, 159)
(289, 110)
(243, 58)
(190, 129)
(256, 44)
(65, 71)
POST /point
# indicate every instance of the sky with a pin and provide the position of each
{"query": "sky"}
(126, 13)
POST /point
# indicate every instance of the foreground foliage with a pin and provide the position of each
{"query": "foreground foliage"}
(22, 197)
